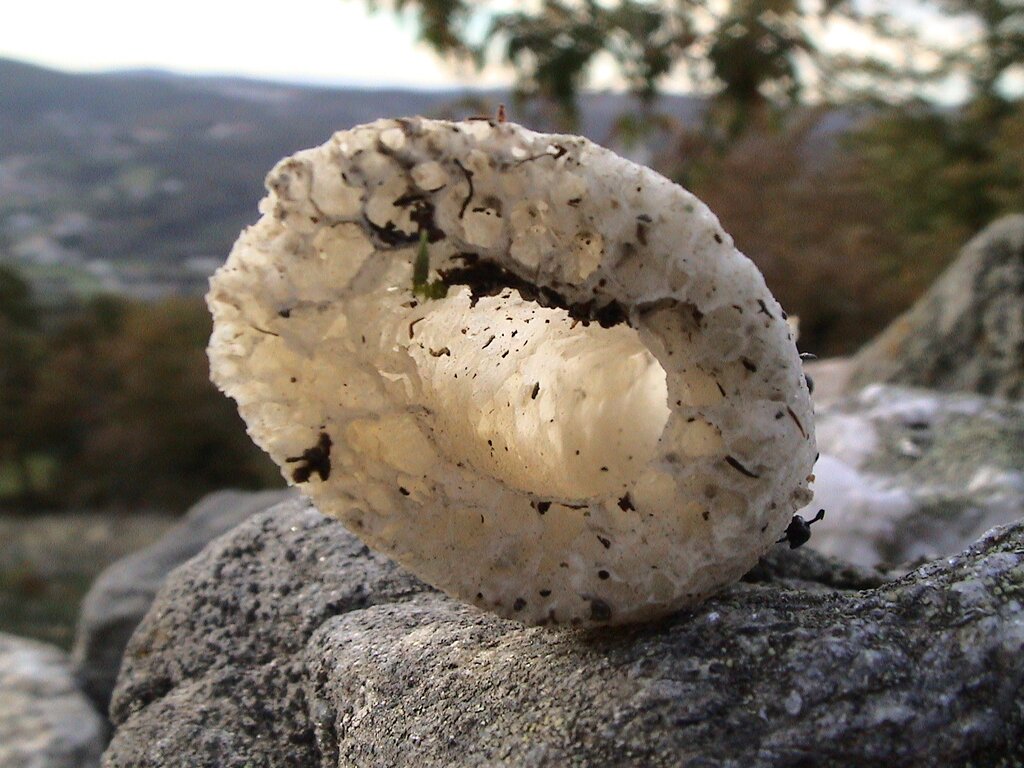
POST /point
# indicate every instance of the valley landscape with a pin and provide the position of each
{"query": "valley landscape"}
(137, 183)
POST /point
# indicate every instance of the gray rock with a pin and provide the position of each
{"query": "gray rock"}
(122, 594)
(216, 675)
(908, 474)
(287, 642)
(967, 332)
(45, 720)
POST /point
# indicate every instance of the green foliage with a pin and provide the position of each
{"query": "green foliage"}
(117, 405)
(751, 57)
(1007, 149)
(808, 222)
(924, 44)
(756, 57)
(442, 23)
(553, 49)
(421, 286)
(752, 47)
(20, 353)
(17, 306)
(849, 235)
(940, 177)
(1000, 49)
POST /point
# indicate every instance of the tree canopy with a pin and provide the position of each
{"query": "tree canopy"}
(111, 405)
(745, 54)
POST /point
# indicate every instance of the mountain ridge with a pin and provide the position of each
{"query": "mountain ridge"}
(139, 182)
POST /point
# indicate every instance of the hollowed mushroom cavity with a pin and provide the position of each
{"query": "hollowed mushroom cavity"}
(536, 374)
(557, 408)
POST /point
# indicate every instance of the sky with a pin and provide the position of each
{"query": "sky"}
(326, 42)
(334, 44)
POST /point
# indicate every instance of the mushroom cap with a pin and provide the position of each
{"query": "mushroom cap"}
(536, 374)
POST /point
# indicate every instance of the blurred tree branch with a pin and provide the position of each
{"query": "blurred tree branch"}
(849, 224)
(749, 56)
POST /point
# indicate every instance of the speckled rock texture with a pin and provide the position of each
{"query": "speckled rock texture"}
(967, 332)
(122, 594)
(286, 642)
(45, 719)
(907, 474)
(216, 674)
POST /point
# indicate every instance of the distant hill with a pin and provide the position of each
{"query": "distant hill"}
(140, 181)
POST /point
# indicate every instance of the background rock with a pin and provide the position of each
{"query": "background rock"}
(287, 642)
(122, 594)
(45, 720)
(907, 474)
(967, 332)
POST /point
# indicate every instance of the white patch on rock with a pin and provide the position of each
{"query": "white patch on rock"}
(860, 511)
(907, 474)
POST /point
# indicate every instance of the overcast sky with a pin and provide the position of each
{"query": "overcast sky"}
(322, 41)
(335, 42)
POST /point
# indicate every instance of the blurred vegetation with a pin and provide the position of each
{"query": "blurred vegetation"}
(110, 405)
(834, 168)
(49, 560)
(745, 54)
(41, 606)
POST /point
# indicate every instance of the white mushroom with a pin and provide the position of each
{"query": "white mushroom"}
(539, 376)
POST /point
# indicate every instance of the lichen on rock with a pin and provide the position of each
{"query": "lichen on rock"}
(596, 415)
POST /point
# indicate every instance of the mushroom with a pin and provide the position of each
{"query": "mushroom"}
(539, 376)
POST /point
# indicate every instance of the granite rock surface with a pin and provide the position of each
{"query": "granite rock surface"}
(122, 594)
(287, 642)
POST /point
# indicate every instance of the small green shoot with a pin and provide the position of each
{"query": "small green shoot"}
(421, 270)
